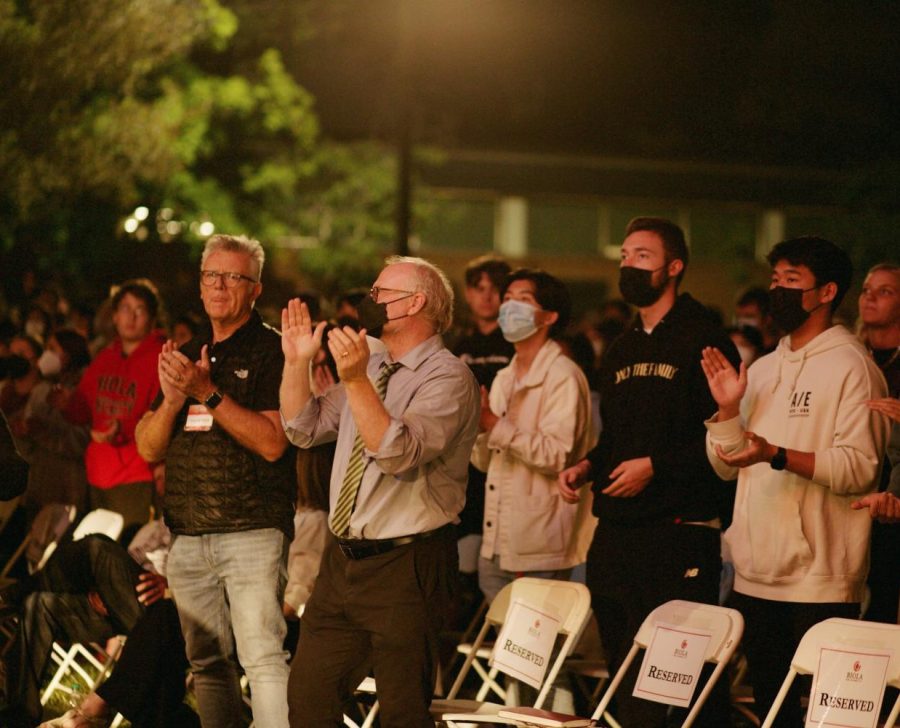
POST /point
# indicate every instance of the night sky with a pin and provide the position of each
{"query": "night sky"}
(758, 82)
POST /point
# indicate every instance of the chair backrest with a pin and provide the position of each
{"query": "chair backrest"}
(725, 625)
(569, 601)
(48, 527)
(851, 633)
(102, 521)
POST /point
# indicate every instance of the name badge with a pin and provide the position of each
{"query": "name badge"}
(199, 419)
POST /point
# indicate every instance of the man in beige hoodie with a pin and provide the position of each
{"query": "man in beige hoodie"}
(796, 432)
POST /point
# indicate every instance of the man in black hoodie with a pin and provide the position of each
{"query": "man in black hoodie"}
(658, 500)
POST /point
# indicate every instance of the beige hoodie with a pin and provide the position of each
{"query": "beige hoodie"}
(794, 539)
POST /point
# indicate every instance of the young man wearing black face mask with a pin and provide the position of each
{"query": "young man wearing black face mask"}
(796, 432)
(657, 498)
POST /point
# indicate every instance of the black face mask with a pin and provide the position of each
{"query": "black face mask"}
(636, 286)
(786, 305)
(373, 316)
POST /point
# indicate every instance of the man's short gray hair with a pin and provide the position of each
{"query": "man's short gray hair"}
(433, 282)
(235, 244)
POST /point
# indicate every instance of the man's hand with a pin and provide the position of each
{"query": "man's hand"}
(758, 450)
(299, 341)
(487, 419)
(107, 434)
(169, 382)
(629, 478)
(351, 353)
(570, 480)
(889, 406)
(151, 588)
(191, 379)
(725, 384)
(883, 507)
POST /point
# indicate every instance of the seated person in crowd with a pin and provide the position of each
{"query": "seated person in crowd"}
(85, 593)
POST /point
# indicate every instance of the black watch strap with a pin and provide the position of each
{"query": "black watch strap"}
(214, 400)
(779, 459)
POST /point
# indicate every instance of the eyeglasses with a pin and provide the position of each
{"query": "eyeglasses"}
(377, 291)
(211, 278)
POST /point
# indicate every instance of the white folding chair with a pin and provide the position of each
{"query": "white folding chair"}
(725, 625)
(100, 520)
(88, 664)
(47, 528)
(568, 601)
(850, 633)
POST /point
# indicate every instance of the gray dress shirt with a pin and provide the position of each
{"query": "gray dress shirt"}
(416, 480)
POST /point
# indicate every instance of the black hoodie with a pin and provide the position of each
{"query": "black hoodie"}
(654, 399)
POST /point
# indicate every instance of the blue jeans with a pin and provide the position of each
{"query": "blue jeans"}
(233, 582)
(491, 578)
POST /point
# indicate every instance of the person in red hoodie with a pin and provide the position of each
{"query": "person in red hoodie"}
(118, 388)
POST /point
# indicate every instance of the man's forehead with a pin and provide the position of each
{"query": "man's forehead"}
(484, 281)
(394, 275)
(784, 267)
(228, 258)
(522, 285)
(644, 240)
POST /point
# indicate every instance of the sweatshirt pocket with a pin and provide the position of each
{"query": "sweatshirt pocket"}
(767, 541)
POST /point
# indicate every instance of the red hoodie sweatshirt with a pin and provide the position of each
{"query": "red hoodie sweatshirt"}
(119, 387)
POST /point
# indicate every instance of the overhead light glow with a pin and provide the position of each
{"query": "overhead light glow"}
(141, 213)
(131, 225)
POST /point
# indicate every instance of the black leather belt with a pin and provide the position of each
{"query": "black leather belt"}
(363, 548)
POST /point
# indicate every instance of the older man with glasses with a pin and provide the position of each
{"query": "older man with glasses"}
(230, 488)
(405, 421)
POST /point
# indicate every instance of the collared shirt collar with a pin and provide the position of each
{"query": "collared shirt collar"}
(420, 353)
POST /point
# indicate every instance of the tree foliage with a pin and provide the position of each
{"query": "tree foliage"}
(112, 104)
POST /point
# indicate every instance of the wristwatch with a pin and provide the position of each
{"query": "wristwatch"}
(779, 459)
(214, 400)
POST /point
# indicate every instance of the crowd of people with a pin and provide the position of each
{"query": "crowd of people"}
(369, 471)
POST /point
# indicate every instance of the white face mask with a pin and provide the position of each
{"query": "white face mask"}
(751, 321)
(517, 320)
(747, 354)
(50, 363)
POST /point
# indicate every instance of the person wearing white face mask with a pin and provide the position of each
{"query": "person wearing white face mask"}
(52, 445)
(534, 423)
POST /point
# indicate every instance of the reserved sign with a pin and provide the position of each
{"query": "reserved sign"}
(525, 644)
(672, 664)
(848, 687)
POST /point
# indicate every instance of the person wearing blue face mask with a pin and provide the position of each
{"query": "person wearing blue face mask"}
(534, 423)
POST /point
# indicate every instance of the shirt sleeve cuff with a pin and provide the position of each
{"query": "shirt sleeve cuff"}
(501, 435)
(727, 434)
(391, 444)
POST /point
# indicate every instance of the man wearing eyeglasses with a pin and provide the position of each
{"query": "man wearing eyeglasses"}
(230, 489)
(405, 421)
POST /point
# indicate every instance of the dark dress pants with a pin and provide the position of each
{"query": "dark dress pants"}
(630, 572)
(385, 611)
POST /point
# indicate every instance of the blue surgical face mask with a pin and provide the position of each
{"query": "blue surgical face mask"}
(517, 320)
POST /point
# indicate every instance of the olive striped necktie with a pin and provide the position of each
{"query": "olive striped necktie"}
(340, 519)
